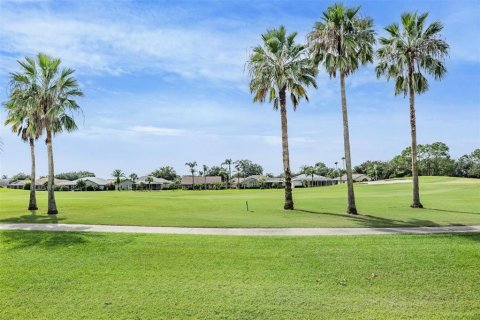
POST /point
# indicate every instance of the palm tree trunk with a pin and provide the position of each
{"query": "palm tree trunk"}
(286, 156)
(33, 198)
(351, 209)
(52, 206)
(413, 131)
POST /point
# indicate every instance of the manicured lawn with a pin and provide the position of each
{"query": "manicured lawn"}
(448, 201)
(47, 275)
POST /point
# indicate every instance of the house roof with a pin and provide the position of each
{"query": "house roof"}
(302, 177)
(237, 180)
(19, 183)
(155, 180)
(96, 180)
(187, 180)
(274, 180)
(355, 177)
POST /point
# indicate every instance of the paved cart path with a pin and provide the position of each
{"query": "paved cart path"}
(238, 231)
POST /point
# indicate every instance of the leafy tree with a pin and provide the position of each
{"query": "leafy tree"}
(133, 177)
(74, 175)
(167, 173)
(19, 176)
(218, 171)
(24, 119)
(192, 166)
(468, 165)
(321, 169)
(80, 185)
(118, 175)
(405, 53)
(342, 42)
(378, 170)
(277, 67)
(248, 168)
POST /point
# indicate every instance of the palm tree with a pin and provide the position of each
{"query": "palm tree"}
(405, 53)
(229, 163)
(118, 175)
(205, 170)
(149, 180)
(52, 92)
(192, 166)
(277, 67)
(133, 177)
(25, 121)
(342, 42)
(310, 172)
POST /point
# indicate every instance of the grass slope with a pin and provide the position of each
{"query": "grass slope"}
(48, 275)
(447, 201)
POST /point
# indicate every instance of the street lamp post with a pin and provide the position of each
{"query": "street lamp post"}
(343, 159)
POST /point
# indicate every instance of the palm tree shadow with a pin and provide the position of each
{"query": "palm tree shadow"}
(370, 221)
(33, 217)
(452, 211)
(20, 239)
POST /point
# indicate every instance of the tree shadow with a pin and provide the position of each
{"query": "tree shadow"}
(369, 221)
(20, 239)
(33, 217)
(452, 211)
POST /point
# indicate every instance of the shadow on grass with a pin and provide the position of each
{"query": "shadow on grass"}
(452, 211)
(33, 217)
(20, 239)
(370, 221)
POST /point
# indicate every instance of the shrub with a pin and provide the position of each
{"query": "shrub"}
(90, 188)
(27, 186)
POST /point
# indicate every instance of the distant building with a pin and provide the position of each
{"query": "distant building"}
(303, 180)
(210, 181)
(357, 177)
(155, 184)
(4, 183)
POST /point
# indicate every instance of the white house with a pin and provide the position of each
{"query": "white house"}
(312, 181)
(357, 177)
(155, 184)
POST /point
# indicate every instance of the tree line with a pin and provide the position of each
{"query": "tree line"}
(339, 44)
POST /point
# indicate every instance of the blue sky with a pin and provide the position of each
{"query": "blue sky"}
(164, 84)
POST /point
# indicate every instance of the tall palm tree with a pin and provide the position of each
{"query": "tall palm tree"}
(229, 163)
(192, 166)
(118, 175)
(52, 91)
(279, 67)
(404, 54)
(205, 169)
(25, 121)
(341, 43)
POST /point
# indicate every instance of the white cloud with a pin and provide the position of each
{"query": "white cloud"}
(151, 130)
(116, 47)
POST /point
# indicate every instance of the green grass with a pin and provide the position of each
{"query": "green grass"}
(447, 201)
(49, 275)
